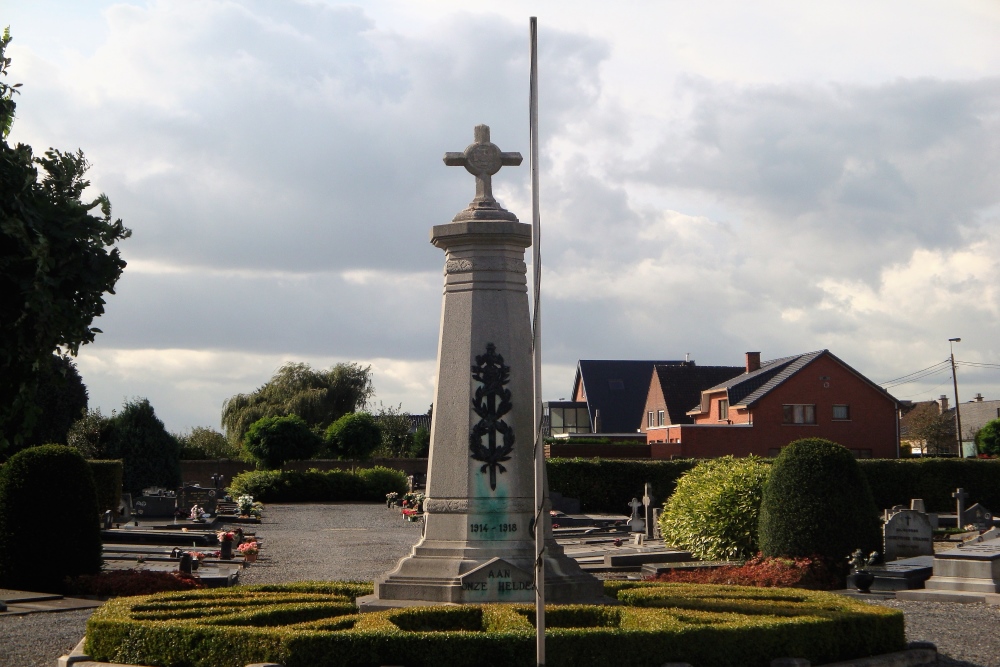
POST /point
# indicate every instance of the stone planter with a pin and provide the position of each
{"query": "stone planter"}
(860, 580)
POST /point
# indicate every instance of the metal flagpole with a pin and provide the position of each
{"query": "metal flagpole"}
(536, 352)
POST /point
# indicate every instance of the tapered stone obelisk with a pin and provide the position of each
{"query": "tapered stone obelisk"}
(478, 544)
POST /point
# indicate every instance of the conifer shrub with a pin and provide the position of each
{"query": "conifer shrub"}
(49, 519)
(713, 511)
(817, 502)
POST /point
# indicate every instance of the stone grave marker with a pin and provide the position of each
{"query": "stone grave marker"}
(647, 505)
(972, 569)
(917, 504)
(979, 516)
(991, 534)
(960, 497)
(125, 508)
(907, 534)
(480, 505)
(657, 511)
(636, 524)
(903, 574)
(152, 507)
(189, 496)
(107, 520)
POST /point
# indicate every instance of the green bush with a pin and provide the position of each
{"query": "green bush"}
(607, 485)
(353, 436)
(274, 440)
(988, 438)
(274, 486)
(713, 512)
(49, 527)
(206, 443)
(317, 625)
(817, 502)
(108, 482)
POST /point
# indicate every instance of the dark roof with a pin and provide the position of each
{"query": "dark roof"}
(749, 388)
(617, 388)
(682, 386)
(974, 416)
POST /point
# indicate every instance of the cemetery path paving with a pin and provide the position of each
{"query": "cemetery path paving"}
(359, 541)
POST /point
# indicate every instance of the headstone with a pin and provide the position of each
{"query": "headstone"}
(979, 516)
(991, 534)
(657, 535)
(189, 496)
(152, 507)
(917, 504)
(647, 504)
(125, 508)
(960, 497)
(907, 534)
(635, 523)
(107, 519)
(480, 502)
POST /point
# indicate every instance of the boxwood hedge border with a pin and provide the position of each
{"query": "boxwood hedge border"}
(316, 624)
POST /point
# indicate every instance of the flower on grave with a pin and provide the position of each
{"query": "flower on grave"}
(858, 561)
(248, 548)
(226, 536)
(256, 510)
(392, 495)
(244, 503)
(196, 513)
(196, 554)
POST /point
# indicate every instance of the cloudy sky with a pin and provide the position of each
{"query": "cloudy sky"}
(716, 177)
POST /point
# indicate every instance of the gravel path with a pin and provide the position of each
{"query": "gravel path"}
(361, 541)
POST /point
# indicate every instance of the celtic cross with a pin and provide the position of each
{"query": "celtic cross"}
(482, 159)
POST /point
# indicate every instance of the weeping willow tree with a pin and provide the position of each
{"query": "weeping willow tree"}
(319, 397)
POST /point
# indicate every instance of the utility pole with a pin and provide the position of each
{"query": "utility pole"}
(954, 379)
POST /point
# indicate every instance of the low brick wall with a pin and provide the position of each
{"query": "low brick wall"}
(200, 472)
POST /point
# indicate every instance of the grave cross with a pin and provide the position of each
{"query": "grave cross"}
(482, 159)
(635, 505)
(960, 497)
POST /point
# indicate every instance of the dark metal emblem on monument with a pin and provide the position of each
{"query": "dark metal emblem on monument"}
(490, 403)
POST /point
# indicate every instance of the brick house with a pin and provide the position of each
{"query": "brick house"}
(773, 403)
(675, 388)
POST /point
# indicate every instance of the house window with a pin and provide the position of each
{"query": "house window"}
(723, 410)
(841, 412)
(799, 414)
(660, 418)
(649, 420)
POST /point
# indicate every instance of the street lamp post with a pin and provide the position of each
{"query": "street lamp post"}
(954, 379)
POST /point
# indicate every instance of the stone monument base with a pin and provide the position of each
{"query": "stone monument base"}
(966, 574)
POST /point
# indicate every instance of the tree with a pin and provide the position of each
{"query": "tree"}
(988, 438)
(62, 399)
(57, 259)
(206, 443)
(395, 426)
(151, 455)
(318, 397)
(274, 440)
(354, 436)
(925, 425)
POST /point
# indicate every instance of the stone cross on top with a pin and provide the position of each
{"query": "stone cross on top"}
(482, 159)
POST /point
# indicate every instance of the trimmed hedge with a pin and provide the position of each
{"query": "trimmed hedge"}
(108, 481)
(897, 481)
(817, 502)
(49, 523)
(317, 625)
(606, 485)
(284, 486)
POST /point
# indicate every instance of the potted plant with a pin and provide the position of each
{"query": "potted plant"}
(245, 504)
(391, 498)
(860, 578)
(249, 551)
(226, 539)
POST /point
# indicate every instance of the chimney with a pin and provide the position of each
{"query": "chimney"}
(943, 401)
(753, 361)
(978, 397)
